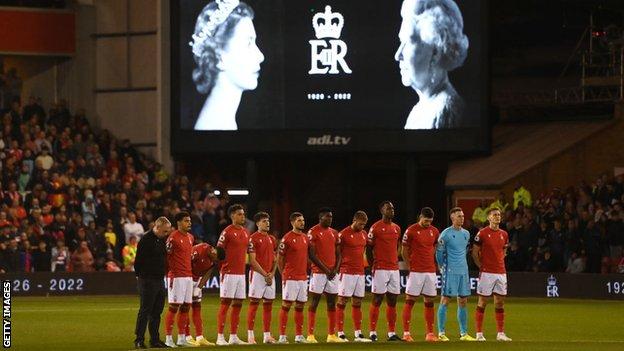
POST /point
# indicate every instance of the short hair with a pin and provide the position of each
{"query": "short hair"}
(205, 52)
(360, 215)
(160, 221)
(383, 203)
(427, 212)
(455, 209)
(295, 215)
(180, 216)
(324, 210)
(234, 208)
(440, 23)
(492, 209)
(260, 216)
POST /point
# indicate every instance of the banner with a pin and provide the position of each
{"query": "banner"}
(548, 285)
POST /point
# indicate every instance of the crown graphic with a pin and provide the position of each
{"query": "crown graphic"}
(552, 280)
(327, 24)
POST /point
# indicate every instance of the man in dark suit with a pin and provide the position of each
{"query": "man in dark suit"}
(149, 267)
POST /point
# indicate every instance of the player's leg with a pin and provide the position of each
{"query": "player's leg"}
(197, 317)
(302, 298)
(175, 300)
(379, 289)
(317, 285)
(283, 317)
(237, 305)
(356, 315)
(340, 309)
(499, 305)
(331, 294)
(267, 310)
(429, 317)
(254, 303)
(462, 318)
(411, 292)
(444, 301)
(394, 289)
(479, 316)
(183, 321)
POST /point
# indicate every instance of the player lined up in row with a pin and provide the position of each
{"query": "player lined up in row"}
(337, 272)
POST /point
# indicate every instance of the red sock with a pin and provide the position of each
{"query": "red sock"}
(267, 309)
(356, 315)
(500, 319)
(391, 315)
(251, 314)
(407, 315)
(225, 305)
(340, 317)
(298, 320)
(311, 320)
(169, 318)
(235, 318)
(331, 316)
(197, 320)
(373, 315)
(283, 319)
(479, 318)
(429, 313)
(183, 319)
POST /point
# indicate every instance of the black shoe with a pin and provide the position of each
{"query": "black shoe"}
(343, 337)
(158, 344)
(395, 338)
(373, 337)
(139, 345)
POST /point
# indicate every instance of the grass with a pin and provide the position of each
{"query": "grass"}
(107, 323)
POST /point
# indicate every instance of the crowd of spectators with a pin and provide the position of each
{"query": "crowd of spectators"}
(575, 230)
(73, 198)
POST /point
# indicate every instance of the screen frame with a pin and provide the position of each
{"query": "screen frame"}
(466, 141)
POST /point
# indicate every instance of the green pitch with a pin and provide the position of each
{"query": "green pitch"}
(107, 323)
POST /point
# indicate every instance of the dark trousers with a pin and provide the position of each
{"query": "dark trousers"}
(152, 293)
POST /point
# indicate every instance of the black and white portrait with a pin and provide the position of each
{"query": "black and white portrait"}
(227, 61)
(432, 44)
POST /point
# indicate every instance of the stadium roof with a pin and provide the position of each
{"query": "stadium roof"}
(518, 147)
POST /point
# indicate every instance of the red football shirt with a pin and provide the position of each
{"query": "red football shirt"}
(324, 242)
(179, 247)
(264, 246)
(384, 239)
(352, 246)
(421, 242)
(200, 261)
(294, 248)
(234, 240)
(493, 243)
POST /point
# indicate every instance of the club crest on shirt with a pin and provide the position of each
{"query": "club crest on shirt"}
(282, 246)
(222, 237)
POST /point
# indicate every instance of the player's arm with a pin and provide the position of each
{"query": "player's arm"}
(204, 279)
(281, 251)
(441, 252)
(476, 250)
(404, 250)
(312, 256)
(221, 246)
(256, 265)
(338, 258)
(370, 243)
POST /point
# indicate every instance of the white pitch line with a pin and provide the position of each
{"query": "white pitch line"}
(77, 310)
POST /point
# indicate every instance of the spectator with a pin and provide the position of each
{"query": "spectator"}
(82, 259)
(479, 216)
(42, 258)
(575, 264)
(516, 260)
(11, 258)
(60, 257)
(44, 160)
(521, 196)
(615, 236)
(88, 208)
(109, 234)
(112, 265)
(129, 254)
(133, 228)
(500, 203)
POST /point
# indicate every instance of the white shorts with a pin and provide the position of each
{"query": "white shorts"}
(232, 286)
(180, 290)
(351, 285)
(295, 290)
(385, 281)
(320, 284)
(258, 288)
(197, 291)
(492, 283)
(421, 283)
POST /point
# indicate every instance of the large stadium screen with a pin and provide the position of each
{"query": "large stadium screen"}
(343, 75)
